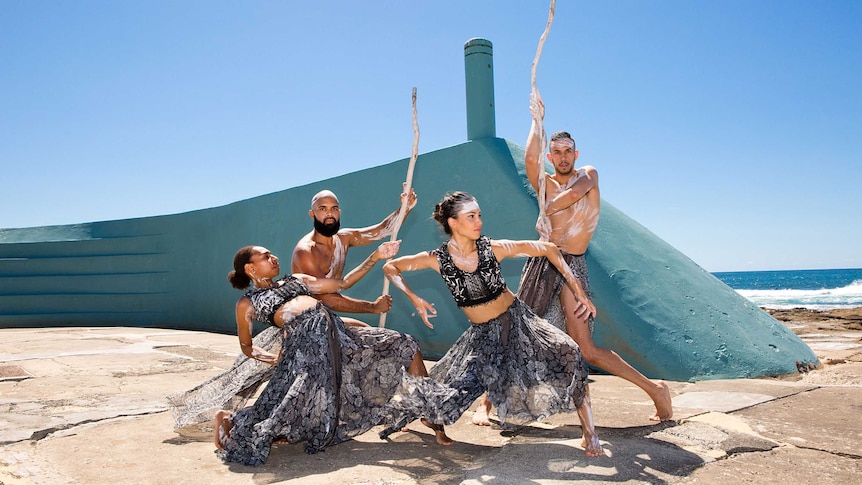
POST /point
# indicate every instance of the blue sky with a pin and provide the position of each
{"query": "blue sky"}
(731, 129)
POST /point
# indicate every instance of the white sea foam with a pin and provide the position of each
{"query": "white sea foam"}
(849, 296)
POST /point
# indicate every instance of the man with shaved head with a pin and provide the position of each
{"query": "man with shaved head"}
(323, 251)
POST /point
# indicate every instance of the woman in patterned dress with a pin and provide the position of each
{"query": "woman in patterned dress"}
(329, 383)
(529, 368)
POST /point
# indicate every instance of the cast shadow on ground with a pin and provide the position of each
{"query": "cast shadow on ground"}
(531, 455)
(412, 453)
(536, 455)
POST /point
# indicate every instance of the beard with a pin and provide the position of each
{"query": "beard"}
(327, 230)
(567, 171)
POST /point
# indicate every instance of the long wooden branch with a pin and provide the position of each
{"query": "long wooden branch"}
(407, 186)
(535, 97)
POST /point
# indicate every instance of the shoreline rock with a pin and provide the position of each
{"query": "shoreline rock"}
(835, 336)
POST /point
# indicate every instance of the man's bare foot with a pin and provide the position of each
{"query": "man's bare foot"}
(663, 404)
(439, 433)
(592, 446)
(480, 415)
(223, 424)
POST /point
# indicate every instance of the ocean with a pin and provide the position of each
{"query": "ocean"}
(815, 289)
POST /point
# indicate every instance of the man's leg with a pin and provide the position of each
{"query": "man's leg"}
(592, 445)
(610, 361)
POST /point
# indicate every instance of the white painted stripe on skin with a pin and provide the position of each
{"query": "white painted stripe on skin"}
(288, 313)
(398, 282)
(510, 246)
(339, 257)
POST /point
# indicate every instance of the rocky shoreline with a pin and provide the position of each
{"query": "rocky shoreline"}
(846, 318)
(835, 336)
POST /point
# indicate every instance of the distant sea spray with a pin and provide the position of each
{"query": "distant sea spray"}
(815, 289)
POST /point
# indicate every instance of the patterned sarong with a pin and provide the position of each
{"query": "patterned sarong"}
(541, 284)
(530, 370)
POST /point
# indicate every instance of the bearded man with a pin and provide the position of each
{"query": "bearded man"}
(323, 251)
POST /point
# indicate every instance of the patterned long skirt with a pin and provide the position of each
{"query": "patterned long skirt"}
(529, 368)
(330, 384)
(229, 390)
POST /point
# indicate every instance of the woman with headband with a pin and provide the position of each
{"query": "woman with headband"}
(529, 368)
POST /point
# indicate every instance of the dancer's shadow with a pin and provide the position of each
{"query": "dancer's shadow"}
(537, 454)
(413, 453)
(531, 454)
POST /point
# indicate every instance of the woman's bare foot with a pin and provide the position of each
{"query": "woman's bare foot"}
(223, 424)
(480, 415)
(439, 433)
(592, 446)
(663, 404)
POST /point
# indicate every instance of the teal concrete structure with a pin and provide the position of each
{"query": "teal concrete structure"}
(659, 310)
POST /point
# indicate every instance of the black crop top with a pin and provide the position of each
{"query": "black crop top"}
(266, 301)
(480, 286)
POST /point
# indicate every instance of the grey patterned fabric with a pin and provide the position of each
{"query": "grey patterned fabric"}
(541, 284)
(331, 384)
(232, 389)
(229, 390)
(266, 301)
(530, 370)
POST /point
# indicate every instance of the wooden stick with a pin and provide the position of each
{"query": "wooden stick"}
(408, 184)
(535, 93)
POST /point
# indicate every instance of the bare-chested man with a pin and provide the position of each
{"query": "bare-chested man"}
(572, 206)
(323, 251)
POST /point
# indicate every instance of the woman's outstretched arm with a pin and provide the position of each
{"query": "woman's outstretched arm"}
(393, 271)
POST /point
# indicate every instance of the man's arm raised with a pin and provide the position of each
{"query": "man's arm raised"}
(533, 149)
(366, 235)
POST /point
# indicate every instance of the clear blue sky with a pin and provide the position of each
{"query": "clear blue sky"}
(732, 129)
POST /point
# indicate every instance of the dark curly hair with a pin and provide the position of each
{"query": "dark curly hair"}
(238, 278)
(450, 206)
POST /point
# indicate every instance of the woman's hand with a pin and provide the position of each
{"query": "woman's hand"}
(261, 355)
(425, 310)
(584, 309)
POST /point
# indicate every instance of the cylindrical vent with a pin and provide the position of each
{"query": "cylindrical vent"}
(479, 70)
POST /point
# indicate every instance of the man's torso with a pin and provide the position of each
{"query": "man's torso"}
(329, 259)
(574, 226)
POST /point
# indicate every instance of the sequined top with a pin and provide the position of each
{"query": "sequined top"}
(266, 301)
(472, 288)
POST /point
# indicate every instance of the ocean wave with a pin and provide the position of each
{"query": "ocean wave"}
(849, 296)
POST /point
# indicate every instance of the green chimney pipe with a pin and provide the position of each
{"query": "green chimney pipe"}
(479, 71)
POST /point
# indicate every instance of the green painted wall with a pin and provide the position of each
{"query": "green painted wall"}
(659, 310)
